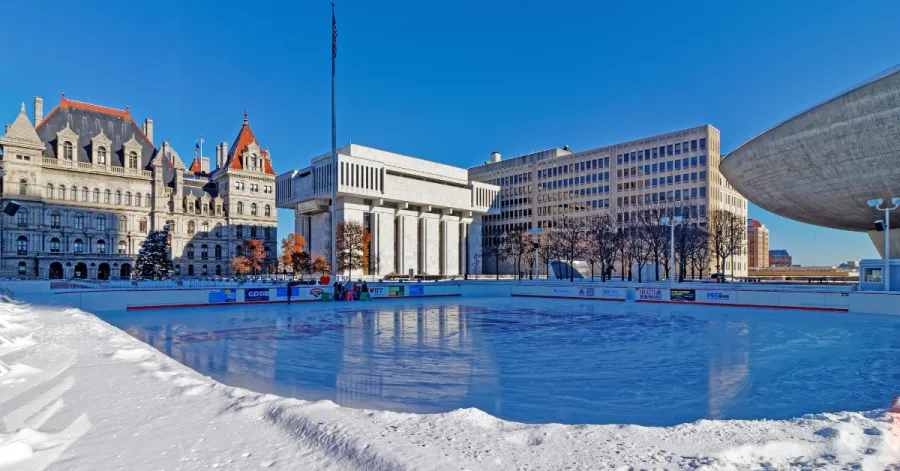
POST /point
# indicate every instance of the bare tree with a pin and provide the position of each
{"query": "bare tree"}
(352, 239)
(656, 236)
(570, 235)
(737, 233)
(546, 251)
(719, 222)
(516, 247)
(493, 247)
(600, 245)
(638, 247)
(700, 253)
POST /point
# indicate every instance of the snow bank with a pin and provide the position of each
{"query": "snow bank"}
(81, 394)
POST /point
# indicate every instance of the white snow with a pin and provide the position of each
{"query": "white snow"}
(83, 395)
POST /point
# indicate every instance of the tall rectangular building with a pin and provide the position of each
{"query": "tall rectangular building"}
(679, 168)
(757, 244)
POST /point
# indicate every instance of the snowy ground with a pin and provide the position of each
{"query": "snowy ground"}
(79, 394)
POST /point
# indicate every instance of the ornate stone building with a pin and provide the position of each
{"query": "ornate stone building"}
(91, 184)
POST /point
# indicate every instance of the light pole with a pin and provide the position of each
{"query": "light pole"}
(671, 222)
(876, 203)
(536, 232)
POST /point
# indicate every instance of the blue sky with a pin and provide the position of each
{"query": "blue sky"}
(454, 81)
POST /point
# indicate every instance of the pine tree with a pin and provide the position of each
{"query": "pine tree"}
(153, 259)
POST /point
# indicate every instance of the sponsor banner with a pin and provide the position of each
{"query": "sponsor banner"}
(718, 297)
(650, 294)
(301, 293)
(228, 295)
(377, 292)
(417, 290)
(683, 295)
(282, 293)
(256, 294)
(562, 291)
(396, 291)
(588, 292)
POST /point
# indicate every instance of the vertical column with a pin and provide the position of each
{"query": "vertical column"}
(464, 244)
(401, 250)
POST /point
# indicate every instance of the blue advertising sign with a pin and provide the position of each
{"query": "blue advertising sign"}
(417, 290)
(223, 295)
(256, 294)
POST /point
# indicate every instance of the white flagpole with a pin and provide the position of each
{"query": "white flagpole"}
(334, 160)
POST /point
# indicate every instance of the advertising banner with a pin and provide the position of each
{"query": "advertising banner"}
(228, 295)
(650, 294)
(718, 297)
(256, 294)
(417, 290)
(377, 292)
(396, 291)
(683, 295)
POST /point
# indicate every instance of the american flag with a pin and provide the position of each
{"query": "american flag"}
(333, 34)
(201, 140)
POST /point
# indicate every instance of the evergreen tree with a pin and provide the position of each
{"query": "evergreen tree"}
(153, 259)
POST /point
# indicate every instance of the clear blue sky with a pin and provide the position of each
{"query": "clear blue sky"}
(453, 81)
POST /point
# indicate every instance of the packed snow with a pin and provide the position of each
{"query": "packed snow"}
(79, 394)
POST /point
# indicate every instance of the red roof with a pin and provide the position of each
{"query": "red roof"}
(243, 140)
(195, 165)
(753, 222)
(67, 103)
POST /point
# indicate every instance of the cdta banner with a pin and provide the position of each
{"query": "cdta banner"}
(650, 294)
(256, 294)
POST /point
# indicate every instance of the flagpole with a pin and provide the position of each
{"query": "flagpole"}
(334, 162)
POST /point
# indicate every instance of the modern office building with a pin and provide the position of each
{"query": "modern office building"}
(91, 184)
(757, 244)
(678, 169)
(823, 165)
(424, 217)
(780, 258)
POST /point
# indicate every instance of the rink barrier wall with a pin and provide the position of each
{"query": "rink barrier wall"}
(733, 294)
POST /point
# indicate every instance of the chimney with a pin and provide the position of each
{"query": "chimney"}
(204, 164)
(495, 157)
(224, 154)
(148, 129)
(38, 110)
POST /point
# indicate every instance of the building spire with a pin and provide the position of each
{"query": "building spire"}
(245, 116)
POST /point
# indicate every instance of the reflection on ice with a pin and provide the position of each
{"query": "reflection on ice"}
(535, 360)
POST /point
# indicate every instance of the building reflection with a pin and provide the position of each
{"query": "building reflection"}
(729, 366)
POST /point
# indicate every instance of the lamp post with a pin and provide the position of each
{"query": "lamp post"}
(671, 222)
(876, 203)
(536, 232)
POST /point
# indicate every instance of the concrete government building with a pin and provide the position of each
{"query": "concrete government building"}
(91, 184)
(678, 169)
(424, 216)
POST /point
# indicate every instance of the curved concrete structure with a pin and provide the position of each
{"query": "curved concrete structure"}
(821, 166)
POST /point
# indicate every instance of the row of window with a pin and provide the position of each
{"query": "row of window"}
(574, 181)
(78, 246)
(101, 155)
(254, 187)
(662, 181)
(573, 168)
(71, 193)
(663, 196)
(662, 151)
(254, 209)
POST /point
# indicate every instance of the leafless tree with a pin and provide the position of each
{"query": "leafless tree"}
(656, 236)
(516, 247)
(620, 244)
(494, 246)
(546, 251)
(638, 247)
(569, 235)
(737, 233)
(719, 223)
(352, 238)
(700, 254)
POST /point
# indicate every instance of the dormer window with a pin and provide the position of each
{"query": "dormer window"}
(67, 150)
(101, 156)
(132, 160)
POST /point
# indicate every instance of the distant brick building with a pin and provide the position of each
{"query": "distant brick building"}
(780, 258)
(757, 244)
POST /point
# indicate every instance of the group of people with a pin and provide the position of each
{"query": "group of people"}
(351, 291)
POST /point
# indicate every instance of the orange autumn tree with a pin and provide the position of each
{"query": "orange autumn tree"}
(320, 265)
(252, 252)
(240, 265)
(291, 248)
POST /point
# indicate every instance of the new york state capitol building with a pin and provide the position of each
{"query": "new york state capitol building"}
(92, 183)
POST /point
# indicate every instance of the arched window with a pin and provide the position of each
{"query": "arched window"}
(23, 187)
(79, 222)
(142, 224)
(267, 232)
(96, 195)
(132, 160)
(101, 223)
(204, 251)
(240, 207)
(62, 192)
(73, 193)
(101, 246)
(123, 224)
(54, 220)
(218, 229)
(218, 270)
(106, 195)
(67, 150)
(123, 248)
(190, 227)
(252, 231)
(239, 251)
(118, 196)
(54, 245)
(127, 198)
(190, 270)
(189, 251)
(253, 209)
(239, 230)
(22, 217)
(147, 200)
(101, 155)
(205, 229)
(254, 161)
(197, 205)
(84, 194)
(22, 244)
(218, 252)
(49, 190)
(78, 246)
(268, 211)
(137, 199)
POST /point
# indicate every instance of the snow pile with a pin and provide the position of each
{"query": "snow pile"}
(80, 394)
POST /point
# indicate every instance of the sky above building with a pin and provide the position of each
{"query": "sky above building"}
(454, 81)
